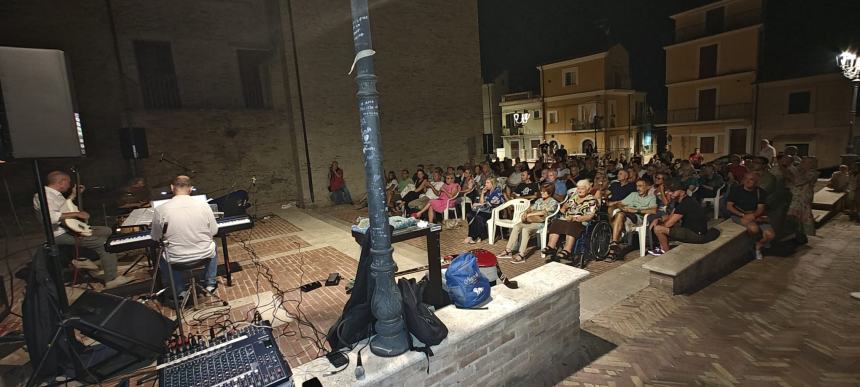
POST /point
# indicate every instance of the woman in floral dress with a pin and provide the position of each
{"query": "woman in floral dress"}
(802, 184)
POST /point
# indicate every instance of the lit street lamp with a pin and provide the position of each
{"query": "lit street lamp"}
(851, 69)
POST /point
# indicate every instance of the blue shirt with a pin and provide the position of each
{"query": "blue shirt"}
(560, 188)
(619, 192)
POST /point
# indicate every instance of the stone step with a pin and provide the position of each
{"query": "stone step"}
(827, 199)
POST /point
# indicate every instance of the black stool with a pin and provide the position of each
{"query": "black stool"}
(189, 266)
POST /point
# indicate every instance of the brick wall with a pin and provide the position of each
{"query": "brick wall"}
(427, 61)
(511, 343)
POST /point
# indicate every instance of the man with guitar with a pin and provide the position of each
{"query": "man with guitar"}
(65, 216)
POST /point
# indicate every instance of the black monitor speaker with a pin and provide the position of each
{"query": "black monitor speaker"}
(133, 143)
(38, 117)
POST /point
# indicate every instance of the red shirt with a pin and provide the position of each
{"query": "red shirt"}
(696, 159)
(738, 171)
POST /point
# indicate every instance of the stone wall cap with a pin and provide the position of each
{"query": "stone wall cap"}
(677, 260)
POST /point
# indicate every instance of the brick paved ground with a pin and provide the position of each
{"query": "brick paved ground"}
(779, 321)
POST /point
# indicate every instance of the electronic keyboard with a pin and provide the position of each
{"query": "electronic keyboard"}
(143, 239)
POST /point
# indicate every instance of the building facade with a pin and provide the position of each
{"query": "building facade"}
(711, 68)
(589, 104)
(522, 126)
(810, 113)
(255, 94)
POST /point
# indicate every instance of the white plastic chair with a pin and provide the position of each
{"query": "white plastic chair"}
(465, 200)
(449, 207)
(543, 232)
(641, 230)
(519, 205)
(715, 201)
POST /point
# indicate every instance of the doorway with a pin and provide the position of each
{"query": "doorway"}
(738, 141)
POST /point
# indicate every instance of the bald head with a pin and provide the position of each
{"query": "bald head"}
(181, 185)
(59, 181)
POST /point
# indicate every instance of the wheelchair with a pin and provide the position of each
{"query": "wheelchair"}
(593, 244)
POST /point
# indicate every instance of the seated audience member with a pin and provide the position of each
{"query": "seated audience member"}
(444, 199)
(572, 177)
(421, 185)
(514, 178)
(544, 177)
(562, 170)
(468, 187)
(404, 185)
(766, 179)
(419, 167)
(432, 192)
(792, 151)
(390, 187)
(600, 190)
(696, 158)
(526, 189)
(736, 169)
(632, 207)
(560, 186)
(491, 197)
(709, 183)
(134, 195)
(589, 170)
(620, 188)
(687, 223)
(687, 175)
(840, 179)
(659, 191)
(531, 221)
(746, 203)
(577, 210)
(478, 176)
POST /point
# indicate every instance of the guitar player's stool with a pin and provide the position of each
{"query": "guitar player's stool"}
(193, 285)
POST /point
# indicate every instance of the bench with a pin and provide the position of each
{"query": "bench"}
(690, 267)
(828, 200)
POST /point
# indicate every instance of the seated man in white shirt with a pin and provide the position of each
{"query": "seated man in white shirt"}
(59, 183)
(191, 226)
(632, 207)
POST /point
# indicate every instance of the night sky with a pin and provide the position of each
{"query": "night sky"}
(802, 36)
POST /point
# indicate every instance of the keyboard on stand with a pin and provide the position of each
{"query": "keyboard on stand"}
(248, 357)
(142, 239)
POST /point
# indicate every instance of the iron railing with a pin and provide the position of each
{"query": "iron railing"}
(710, 113)
(732, 22)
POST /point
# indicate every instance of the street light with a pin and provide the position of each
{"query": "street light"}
(850, 66)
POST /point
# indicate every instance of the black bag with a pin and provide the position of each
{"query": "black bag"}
(356, 321)
(420, 320)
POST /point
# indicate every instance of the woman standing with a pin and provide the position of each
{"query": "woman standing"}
(802, 184)
(491, 197)
(337, 185)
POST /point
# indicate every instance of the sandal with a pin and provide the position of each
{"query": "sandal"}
(517, 258)
(505, 254)
(548, 251)
(562, 255)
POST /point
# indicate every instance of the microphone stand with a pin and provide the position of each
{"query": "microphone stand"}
(185, 169)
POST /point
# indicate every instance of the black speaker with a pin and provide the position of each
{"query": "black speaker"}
(121, 323)
(132, 141)
(38, 117)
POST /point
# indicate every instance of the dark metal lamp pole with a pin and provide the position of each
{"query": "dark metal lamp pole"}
(391, 337)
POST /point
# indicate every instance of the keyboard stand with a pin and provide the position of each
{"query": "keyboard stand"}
(226, 260)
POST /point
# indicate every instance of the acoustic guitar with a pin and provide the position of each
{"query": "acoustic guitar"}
(72, 224)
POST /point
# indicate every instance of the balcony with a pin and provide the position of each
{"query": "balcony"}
(732, 22)
(711, 113)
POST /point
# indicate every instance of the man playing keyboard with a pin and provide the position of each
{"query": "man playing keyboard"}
(191, 226)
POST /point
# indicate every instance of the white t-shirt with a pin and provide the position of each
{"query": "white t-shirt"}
(190, 228)
(55, 203)
(432, 195)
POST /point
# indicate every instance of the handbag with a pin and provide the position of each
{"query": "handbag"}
(534, 217)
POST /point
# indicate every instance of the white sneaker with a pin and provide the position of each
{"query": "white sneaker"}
(84, 264)
(118, 281)
(758, 254)
(211, 288)
(856, 295)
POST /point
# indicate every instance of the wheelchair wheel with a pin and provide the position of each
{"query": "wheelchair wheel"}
(600, 238)
(578, 260)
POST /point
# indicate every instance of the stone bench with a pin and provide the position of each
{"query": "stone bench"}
(512, 342)
(828, 200)
(690, 267)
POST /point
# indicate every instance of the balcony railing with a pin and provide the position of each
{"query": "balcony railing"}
(732, 22)
(710, 113)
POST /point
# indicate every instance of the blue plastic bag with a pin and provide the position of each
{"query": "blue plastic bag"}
(467, 287)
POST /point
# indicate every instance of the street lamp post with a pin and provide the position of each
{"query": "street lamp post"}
(391, 338)
(850, 65)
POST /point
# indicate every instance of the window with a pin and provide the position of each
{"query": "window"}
(708, 144)
(251, 67)
(715, 20)
(707, 104)
(158, 83)
(708, 61)
(536, 114)
(798, 103)
(802, 149)
(571, 76)
(552, 116)
(509, 120)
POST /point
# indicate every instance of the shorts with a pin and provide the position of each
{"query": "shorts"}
(685, 235)
(763, 226)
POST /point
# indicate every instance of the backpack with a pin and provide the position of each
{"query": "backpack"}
(356, 320)
(488, 264)
(420, 320)
(467, 286)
